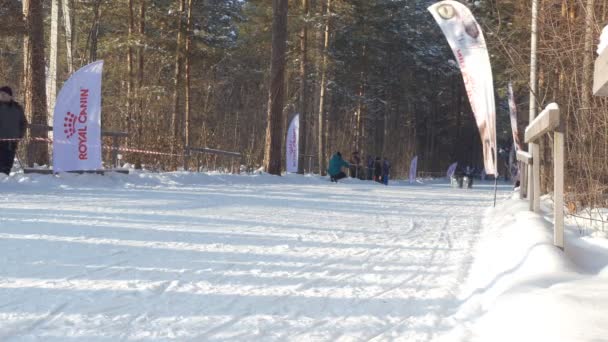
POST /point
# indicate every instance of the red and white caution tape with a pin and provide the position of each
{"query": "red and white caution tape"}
(134, 150)
(121, 149)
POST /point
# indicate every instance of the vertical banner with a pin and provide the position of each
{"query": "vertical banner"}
(77, 121)
(513, 164)
(469, 47)
(513, 115)
(292, 144)
(451, 170)
(413, 169)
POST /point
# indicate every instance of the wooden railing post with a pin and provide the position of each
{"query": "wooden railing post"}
(558, 188)
(525, 160)
(536, 178)
(546, 122)
(523, 180)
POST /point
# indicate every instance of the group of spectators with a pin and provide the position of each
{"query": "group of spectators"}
(375, 169)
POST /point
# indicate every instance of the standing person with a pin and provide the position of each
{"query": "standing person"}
(386, 170)
(355, 163)
(469, 171)
(12, 128)
(370, 167)
(378, 170)
(336, 163)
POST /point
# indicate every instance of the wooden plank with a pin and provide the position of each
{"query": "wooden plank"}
(547, 121)
(600, 75)
(523, 180)
(212, 151)
(40, 126)
(114, 134)
(536, 178)
(558, 189)
(524, 157)
(530, 186)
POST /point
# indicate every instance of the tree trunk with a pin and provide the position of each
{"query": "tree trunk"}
(188, 80)
(177, 75)
(139, 112)
(51, 86)
(588, 56)
(187, 90)
(360, 143)
(69, 38)
(34, 79)
(130, 64)
(322, 90)
(303, 87)
(274, 136)
(93, 34)
(362, 130)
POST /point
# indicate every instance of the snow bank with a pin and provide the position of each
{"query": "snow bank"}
(24, 182)
(20, 181)
(521, 288)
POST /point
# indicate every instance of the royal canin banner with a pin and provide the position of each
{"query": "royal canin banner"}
(513, 114)
(77, 121)
(469, 47)
(413, 169)
(292, 144)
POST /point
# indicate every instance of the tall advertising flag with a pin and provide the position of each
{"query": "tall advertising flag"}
(413, 169)
(451, 170)
(292, 144)
(469, 47)
(513, 114)
(513, 165)
(77, 121)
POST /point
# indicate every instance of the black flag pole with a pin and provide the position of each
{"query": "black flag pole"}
(495, 188)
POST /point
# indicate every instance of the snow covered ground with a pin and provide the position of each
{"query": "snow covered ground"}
(199, 257)
(522, 288)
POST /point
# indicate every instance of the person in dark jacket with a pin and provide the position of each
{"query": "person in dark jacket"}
(386, 170)
(12, 128)
(336, 163)
(378, 170)
(370, 167)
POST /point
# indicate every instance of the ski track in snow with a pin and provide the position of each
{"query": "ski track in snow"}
(295, 260)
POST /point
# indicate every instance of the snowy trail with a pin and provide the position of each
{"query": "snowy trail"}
(218, 258)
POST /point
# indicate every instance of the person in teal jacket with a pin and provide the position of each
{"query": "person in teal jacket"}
(336, 163)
